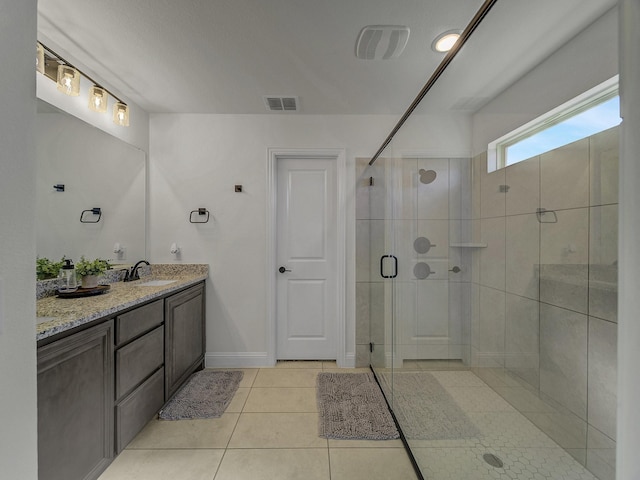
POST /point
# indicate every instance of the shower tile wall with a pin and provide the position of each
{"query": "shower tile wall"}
(544, 292)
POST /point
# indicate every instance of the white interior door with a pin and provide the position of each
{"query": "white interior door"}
(306, 252)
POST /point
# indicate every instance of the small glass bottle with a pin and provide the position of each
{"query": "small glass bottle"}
(67, 281)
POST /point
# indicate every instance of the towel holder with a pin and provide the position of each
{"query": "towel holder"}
(94, 211)
(201, 212)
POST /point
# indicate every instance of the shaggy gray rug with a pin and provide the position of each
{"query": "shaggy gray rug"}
(352, 407)
(425, 410)
(205, 395)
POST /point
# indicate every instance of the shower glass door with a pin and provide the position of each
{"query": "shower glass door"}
(419, 271)
(378, 268)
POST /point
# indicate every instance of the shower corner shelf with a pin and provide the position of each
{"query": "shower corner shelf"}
(469, 245)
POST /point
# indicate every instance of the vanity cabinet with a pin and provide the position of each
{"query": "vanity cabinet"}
(75, 405)
(99, 387)
(184, 336)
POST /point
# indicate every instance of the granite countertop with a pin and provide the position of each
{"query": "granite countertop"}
(56, 315)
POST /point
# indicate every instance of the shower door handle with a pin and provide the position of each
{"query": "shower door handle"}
(395, 266)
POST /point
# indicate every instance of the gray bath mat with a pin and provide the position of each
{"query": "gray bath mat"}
(352, 407)
(205, 395)
(425, 410)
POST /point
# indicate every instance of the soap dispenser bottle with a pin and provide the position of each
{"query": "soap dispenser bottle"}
(67, 281)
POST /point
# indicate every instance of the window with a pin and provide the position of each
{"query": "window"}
(590, 113)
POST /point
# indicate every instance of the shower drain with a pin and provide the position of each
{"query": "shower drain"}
(493, 460)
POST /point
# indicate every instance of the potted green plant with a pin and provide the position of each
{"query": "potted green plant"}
(89, 271)
(46, 269)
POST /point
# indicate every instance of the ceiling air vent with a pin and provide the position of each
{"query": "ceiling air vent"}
(280, 103)
(381, 42)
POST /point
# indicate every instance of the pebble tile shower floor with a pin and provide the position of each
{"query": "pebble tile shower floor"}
(526, 452)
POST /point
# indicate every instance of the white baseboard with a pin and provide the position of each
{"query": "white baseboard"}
(237, 360)
(349, 361)
(254, 360)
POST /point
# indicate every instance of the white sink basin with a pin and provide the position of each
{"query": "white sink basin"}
(156, 283)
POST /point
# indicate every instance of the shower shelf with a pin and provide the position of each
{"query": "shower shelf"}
(469, 245)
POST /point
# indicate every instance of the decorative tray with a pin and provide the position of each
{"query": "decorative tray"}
(84, 292)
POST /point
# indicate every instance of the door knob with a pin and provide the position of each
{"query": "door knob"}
(282, 270)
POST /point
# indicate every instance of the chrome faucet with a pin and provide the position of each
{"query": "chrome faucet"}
(132, 274)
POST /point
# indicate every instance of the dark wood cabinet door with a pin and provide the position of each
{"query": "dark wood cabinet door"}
(185, 336)
(75, 405)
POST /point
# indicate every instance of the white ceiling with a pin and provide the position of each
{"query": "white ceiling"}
(222, 56)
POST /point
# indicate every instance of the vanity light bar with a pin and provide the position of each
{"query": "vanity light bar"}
(97, 93)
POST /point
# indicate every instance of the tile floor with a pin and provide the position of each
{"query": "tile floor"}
(526, 451)
(269, 431)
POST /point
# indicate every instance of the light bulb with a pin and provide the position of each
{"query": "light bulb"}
(98, 99)
(121, 114)
(68, 80)
(445, 41)
(40, 59)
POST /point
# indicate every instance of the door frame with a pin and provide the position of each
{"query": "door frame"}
(339, 156)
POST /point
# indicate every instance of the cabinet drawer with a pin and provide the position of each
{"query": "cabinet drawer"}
(136, 361)
(135, 410)
(135, 322)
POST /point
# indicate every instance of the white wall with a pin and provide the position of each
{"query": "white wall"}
(195, 161)
(589, 59)
(18, 444)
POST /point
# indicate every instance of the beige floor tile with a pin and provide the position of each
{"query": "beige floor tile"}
(282, 464)
(277, 430)
(458, 379)
(164, 465)
(286, 377)
(313, 364)
(370, 464)
(329, 364)
(207, 433)
(365, 443)
(238, 401)
(282, 400)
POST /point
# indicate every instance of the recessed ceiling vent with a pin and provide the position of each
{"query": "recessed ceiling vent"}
(381, 42)
(280, 103)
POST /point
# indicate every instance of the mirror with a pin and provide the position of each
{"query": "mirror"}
(97, 170)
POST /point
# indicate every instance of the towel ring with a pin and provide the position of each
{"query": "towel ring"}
(94, 211)
(200, 212)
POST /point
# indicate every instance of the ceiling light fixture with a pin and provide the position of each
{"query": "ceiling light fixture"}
(97, 99)
(445, 41)
(121, 114)
(67, 77)
(40, 59)
(68, 80)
